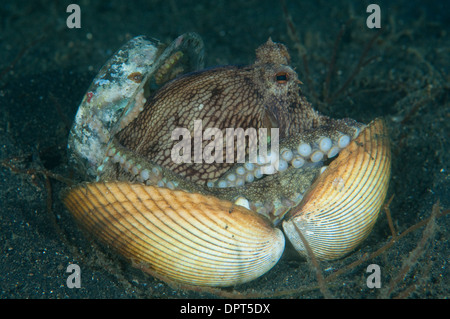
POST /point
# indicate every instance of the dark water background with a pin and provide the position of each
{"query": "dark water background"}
(45, 68)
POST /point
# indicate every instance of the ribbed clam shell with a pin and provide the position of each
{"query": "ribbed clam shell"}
(189, 238)
(343, 204)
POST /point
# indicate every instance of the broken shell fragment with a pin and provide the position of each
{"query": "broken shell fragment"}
(118, 92)
(340, 209)
(187, 237)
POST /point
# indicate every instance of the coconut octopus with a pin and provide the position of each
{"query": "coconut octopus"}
(127, 136)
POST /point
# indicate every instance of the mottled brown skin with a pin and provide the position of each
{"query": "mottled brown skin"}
(263, 95)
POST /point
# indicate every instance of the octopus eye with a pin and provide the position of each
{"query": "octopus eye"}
(282, 77)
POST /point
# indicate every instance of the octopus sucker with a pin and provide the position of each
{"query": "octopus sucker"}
(207, 165)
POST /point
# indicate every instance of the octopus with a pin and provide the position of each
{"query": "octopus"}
(148, 130)
(265, 95)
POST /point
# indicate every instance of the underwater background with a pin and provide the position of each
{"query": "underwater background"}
(399, 72)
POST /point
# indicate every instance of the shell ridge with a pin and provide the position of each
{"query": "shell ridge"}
(175, 211)
(165, 223)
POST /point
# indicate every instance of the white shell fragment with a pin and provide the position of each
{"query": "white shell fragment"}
(117, 94)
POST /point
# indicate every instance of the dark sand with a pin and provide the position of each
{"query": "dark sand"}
(46, 68)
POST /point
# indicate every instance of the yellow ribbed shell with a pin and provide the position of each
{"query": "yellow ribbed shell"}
(189, 238)
(343, 204)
